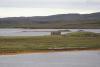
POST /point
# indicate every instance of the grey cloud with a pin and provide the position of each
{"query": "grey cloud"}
(38, 3)
(67, 4)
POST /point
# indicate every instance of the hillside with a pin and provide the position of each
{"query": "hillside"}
(54, 21)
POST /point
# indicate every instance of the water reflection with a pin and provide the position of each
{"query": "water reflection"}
(53, 59)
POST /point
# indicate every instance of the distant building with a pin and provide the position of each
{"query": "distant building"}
(56, 33)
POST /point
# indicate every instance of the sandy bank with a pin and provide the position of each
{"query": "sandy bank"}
(45, 51)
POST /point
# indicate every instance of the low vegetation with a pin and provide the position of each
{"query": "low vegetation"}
(54, 25)
(73, 40)
(82, 34)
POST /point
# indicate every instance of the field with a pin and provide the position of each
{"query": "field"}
(54, 25)
(17, 44)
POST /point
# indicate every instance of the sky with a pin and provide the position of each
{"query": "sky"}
(16, 8)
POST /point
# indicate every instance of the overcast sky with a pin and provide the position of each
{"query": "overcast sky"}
(10, 8)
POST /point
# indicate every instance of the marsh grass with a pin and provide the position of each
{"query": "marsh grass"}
(14, 44)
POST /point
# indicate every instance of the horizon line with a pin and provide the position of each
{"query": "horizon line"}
(51, 15)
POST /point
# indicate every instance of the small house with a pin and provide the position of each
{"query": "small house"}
(56, 33)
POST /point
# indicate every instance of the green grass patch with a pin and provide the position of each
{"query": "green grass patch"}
(47, 42)
(83, 34)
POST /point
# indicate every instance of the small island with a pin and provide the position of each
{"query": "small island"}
(72, 41)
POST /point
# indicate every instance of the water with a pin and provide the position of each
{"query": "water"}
(36, 32)
(52, 59)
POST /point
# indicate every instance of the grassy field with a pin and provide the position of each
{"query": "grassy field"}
(14, 44)
(55, 25)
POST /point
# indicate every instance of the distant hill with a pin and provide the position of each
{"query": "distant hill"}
(54, 21)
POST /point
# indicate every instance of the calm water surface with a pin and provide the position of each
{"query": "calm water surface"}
(36, 32)
(52, 59)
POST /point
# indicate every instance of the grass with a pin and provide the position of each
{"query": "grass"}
(54, 25)
(83, 34)
(14, 44)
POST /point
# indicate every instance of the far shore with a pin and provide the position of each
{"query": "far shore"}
(46, 51)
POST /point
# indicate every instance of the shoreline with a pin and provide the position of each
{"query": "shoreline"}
(45, 51)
